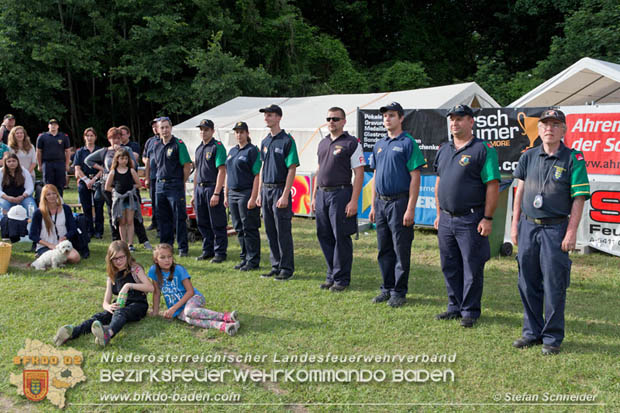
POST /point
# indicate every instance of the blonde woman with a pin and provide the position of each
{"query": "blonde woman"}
(20, 144)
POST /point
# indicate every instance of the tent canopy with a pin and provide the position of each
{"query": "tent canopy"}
(304, 117)
(587, 81)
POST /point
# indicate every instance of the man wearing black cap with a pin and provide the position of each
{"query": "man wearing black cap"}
(150, 170)
(208, 200)
(7, 124)
(397, 160)
(54, 155)
(280, 161)
(466, 193)
(552, 187)
(335, 200)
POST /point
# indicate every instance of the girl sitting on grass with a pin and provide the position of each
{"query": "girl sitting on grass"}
(126, 279)
(183, 300)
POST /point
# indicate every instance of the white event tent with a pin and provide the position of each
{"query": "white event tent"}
(304, 117)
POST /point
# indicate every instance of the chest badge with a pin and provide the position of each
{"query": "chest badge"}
(465, 159)
(169, 152)
(208, 155)
(397, 148)
(337, 150)
(379, 150)
(264, 149)
(557, 174)
(60, 141)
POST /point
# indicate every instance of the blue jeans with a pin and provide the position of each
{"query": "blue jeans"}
(6, 205)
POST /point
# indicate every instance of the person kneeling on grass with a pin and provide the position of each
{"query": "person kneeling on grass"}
(126, 279)
(183, 300)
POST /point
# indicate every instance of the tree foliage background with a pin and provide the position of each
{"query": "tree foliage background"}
(104, 63)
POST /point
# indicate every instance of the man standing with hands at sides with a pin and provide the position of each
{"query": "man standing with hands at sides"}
(150, 171)
(279, 156)
(54, 156)
(335, 200)
(173, 168)
(466, 193)
(208, 197)
(397, 160)
(552, 187)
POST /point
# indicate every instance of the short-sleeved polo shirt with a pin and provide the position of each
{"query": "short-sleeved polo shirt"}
(463, 174)
(148, 153)
(80, 156)
(278, 153)
(337, 158)
(170, 159)
(208, 158)
(393, 159)
(53, 146)
(242, 165)
(135, 146)
(559, 178)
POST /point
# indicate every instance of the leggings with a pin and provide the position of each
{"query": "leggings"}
(195, 314)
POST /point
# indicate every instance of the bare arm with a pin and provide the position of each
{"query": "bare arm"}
(156, 295)
(219, 184)
(371, 216)
(107, 298)
(570, 238)
(254, 195)
(516, 212)
(189, 293)
(315, 187)
(67, 159)
(290, 177)
(109, 181)
(485, 226)
(187, 170)
(136, 179)
(260, 183)
(436, 223)
(40, 159)
(414, 191)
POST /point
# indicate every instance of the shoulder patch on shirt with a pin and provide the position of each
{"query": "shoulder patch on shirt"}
(488, 145)
(465, 159)
(579, 156)
(180, 140)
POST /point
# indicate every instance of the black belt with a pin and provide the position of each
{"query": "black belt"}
(463, 212)
(206, 184)
(394, 197)
(334, 188)
(169, 180)
(547, 221)
(273, 185)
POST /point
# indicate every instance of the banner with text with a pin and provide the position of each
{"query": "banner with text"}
(600, 223)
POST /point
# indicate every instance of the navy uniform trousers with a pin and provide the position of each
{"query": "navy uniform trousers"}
(394, 244)
(211, 221)
(334, 231)
(463, 253)
(278, 229)
(152, 189)
(54, 173)
(544, 276)
(87, 199)
(246, 223)
(172, 213)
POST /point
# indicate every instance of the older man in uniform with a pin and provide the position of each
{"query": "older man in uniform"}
(150, 171)
(335, 200)
(466, 193)
(173, 168)
(279, 155)
(54, 156)
(552, 187)
(208, 200)
(397, 160)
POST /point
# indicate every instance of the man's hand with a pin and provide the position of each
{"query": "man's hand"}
(282, 202)
(408, 218)
(350, 209)
(570, 241)
(484, 227)
(215, 199)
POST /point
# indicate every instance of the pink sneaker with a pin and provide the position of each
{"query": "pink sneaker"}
(230, 328)
(230, 317)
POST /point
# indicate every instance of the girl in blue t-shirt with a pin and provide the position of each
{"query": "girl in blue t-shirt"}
(183, 300)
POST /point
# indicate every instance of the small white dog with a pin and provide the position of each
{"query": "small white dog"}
(53, 258)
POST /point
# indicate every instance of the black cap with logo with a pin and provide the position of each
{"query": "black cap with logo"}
(241, 126)
(272, 109)
(392, 106)
(553, 114)
(461, 110)
(206, 123)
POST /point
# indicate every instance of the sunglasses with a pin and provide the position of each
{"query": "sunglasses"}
(334, 119)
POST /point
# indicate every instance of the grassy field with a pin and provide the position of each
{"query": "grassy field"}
(295, 318)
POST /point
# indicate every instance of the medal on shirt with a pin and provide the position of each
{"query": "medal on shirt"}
(538, 201)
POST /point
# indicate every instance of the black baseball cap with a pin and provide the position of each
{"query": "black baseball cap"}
(272, 109)
(241, 126)
(392, 106)
(52, 120)
(461, 110)
(206, 123)
(553, 114)
(8, 116)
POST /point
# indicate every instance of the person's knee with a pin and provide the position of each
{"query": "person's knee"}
(73, 257)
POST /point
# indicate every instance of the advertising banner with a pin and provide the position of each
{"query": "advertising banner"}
(600, 223)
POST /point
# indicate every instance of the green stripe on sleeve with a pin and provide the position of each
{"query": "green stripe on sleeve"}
(416, 160)
(183, 154)
(291, 156)
(580, 185)
(220, 155)
(490, 169)
(257, 163)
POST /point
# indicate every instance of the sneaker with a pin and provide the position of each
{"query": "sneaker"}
(147, 246)
(230, 317)
(381, 298)
(101, 333)
(230, 328)
(338, 288)
(525, 342)
(270, 274)
(548, 350)
(238, 266)
(132, 248)
(396, 301)
(63, 334)
(326, 286)
(448, 315)
(283, 276)
(218, 259)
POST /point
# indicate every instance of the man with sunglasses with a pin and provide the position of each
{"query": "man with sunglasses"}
(335, 199)
(397, 161)
(552, 187)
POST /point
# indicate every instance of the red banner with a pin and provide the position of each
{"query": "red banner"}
(597, 135)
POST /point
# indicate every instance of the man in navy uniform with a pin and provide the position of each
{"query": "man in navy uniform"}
(552, 187)
(397, 160)
(150, 171)
(7, 124)
(126, 141)
(173, 168)
(208, 200)
(466, 193)
(279, 155)
(335, 199)
(54, 156)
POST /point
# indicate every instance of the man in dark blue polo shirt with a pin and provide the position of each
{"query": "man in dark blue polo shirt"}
(86, 177)
(150, 171)
(173, 168)
(7, 124)
(280, 161)
(126, 141)
(208, 200)
(335, 200)
(54, 156)
(466, 193)
(552, 187)
(397, 160)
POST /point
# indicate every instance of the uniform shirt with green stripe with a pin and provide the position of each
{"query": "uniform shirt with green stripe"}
(242, 165)
(464, 174)
(559, 178)
(278, 154)
(209, 157)
(393, 159)
(170, 158)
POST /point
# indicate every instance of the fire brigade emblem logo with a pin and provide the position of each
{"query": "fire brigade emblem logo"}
(557, 174)
(35, 384)
(465, 159)
(208, 155)
(169, 153)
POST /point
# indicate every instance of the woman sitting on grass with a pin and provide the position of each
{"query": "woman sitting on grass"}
(126, 279)
(183, 300)
(16, 186)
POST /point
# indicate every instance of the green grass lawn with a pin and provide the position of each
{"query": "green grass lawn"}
(295, 318)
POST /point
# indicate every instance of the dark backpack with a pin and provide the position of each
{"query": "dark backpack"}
(13, 229)
(81, 239)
